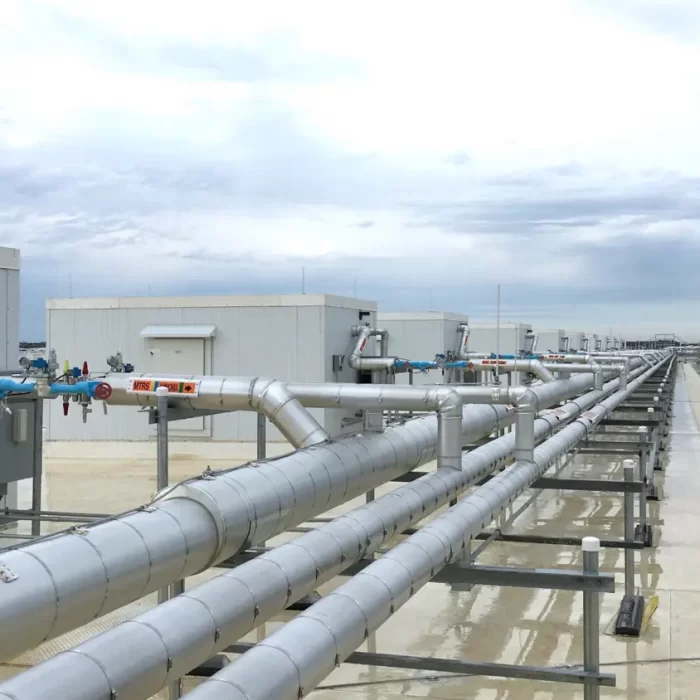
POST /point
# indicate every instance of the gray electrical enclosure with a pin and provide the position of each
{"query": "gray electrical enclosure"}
(20, 440)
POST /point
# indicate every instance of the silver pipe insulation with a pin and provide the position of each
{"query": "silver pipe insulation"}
(534, 367)
(357, 362)
(444, 400)
(291, 662)
(70, 579)
(137, 658)
(267, 396)
(463, 347)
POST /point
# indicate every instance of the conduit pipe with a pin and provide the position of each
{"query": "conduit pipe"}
(357, 362)
(291, 662)
(140, 656)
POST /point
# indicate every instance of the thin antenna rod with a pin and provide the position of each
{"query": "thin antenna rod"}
(303, 280)
(498, 334)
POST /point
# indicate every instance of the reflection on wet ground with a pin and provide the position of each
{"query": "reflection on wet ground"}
(534, 627)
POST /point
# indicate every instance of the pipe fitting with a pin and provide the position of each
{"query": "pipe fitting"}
(463, 350)
(598, 379)
(540, 371)
(449, 411)
(357, 362)
(271, 397)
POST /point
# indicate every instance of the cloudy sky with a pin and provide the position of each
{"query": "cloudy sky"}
(416, 153)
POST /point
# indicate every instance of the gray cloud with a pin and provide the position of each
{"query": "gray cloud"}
(545, 207)
(95, 195)
(679, 19)
(458, 158)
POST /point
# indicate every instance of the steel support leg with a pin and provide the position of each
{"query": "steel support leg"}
(38, 474)
(162, 481)
(262, 436)
(591, 620)
(643, 531)
(629, 529)
(629, 619)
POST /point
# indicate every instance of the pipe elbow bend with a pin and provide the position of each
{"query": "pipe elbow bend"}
(449, 402)
(525, 399)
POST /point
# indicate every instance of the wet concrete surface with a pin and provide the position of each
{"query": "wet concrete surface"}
(507, 625)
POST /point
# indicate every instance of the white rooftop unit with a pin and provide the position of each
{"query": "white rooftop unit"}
(421, 336)
(578, 341)
(9, 308)
(551, 340)
(288, 337)
(9, 356)
(511, 341)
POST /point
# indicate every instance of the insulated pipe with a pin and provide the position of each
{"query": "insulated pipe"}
(565, 357)
(291, 662)
(531, 366)
(267, 396)
(137, 658)
(444, 400)
(357, 362)
(463, 348)
(202, 522)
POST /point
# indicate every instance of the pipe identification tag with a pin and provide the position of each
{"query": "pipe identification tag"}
(175, 388)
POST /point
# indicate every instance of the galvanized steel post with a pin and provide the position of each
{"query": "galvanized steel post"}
(628, 468)
(591, 620)
(162, 477)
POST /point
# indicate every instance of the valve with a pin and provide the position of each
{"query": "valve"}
(116, 364)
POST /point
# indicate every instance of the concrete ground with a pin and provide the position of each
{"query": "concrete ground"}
(490, 624)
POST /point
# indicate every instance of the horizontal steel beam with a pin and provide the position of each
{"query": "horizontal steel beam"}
(175, 414)
(618, 444)
(554, 539)
(632, 422)
(607, 451)
(478, 668)
(552, 579)
(609, 485)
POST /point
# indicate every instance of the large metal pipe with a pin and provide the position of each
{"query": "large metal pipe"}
(291, 662)
(204, 521)
(140, 656)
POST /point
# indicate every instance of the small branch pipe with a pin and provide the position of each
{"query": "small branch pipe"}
(525, 413)
(463, 349)
(534, 367)
(357, 362)
(267, 396)
(291, 662)
(157, 647)
(444, 400)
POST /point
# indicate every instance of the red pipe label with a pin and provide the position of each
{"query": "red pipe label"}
(175, 387)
